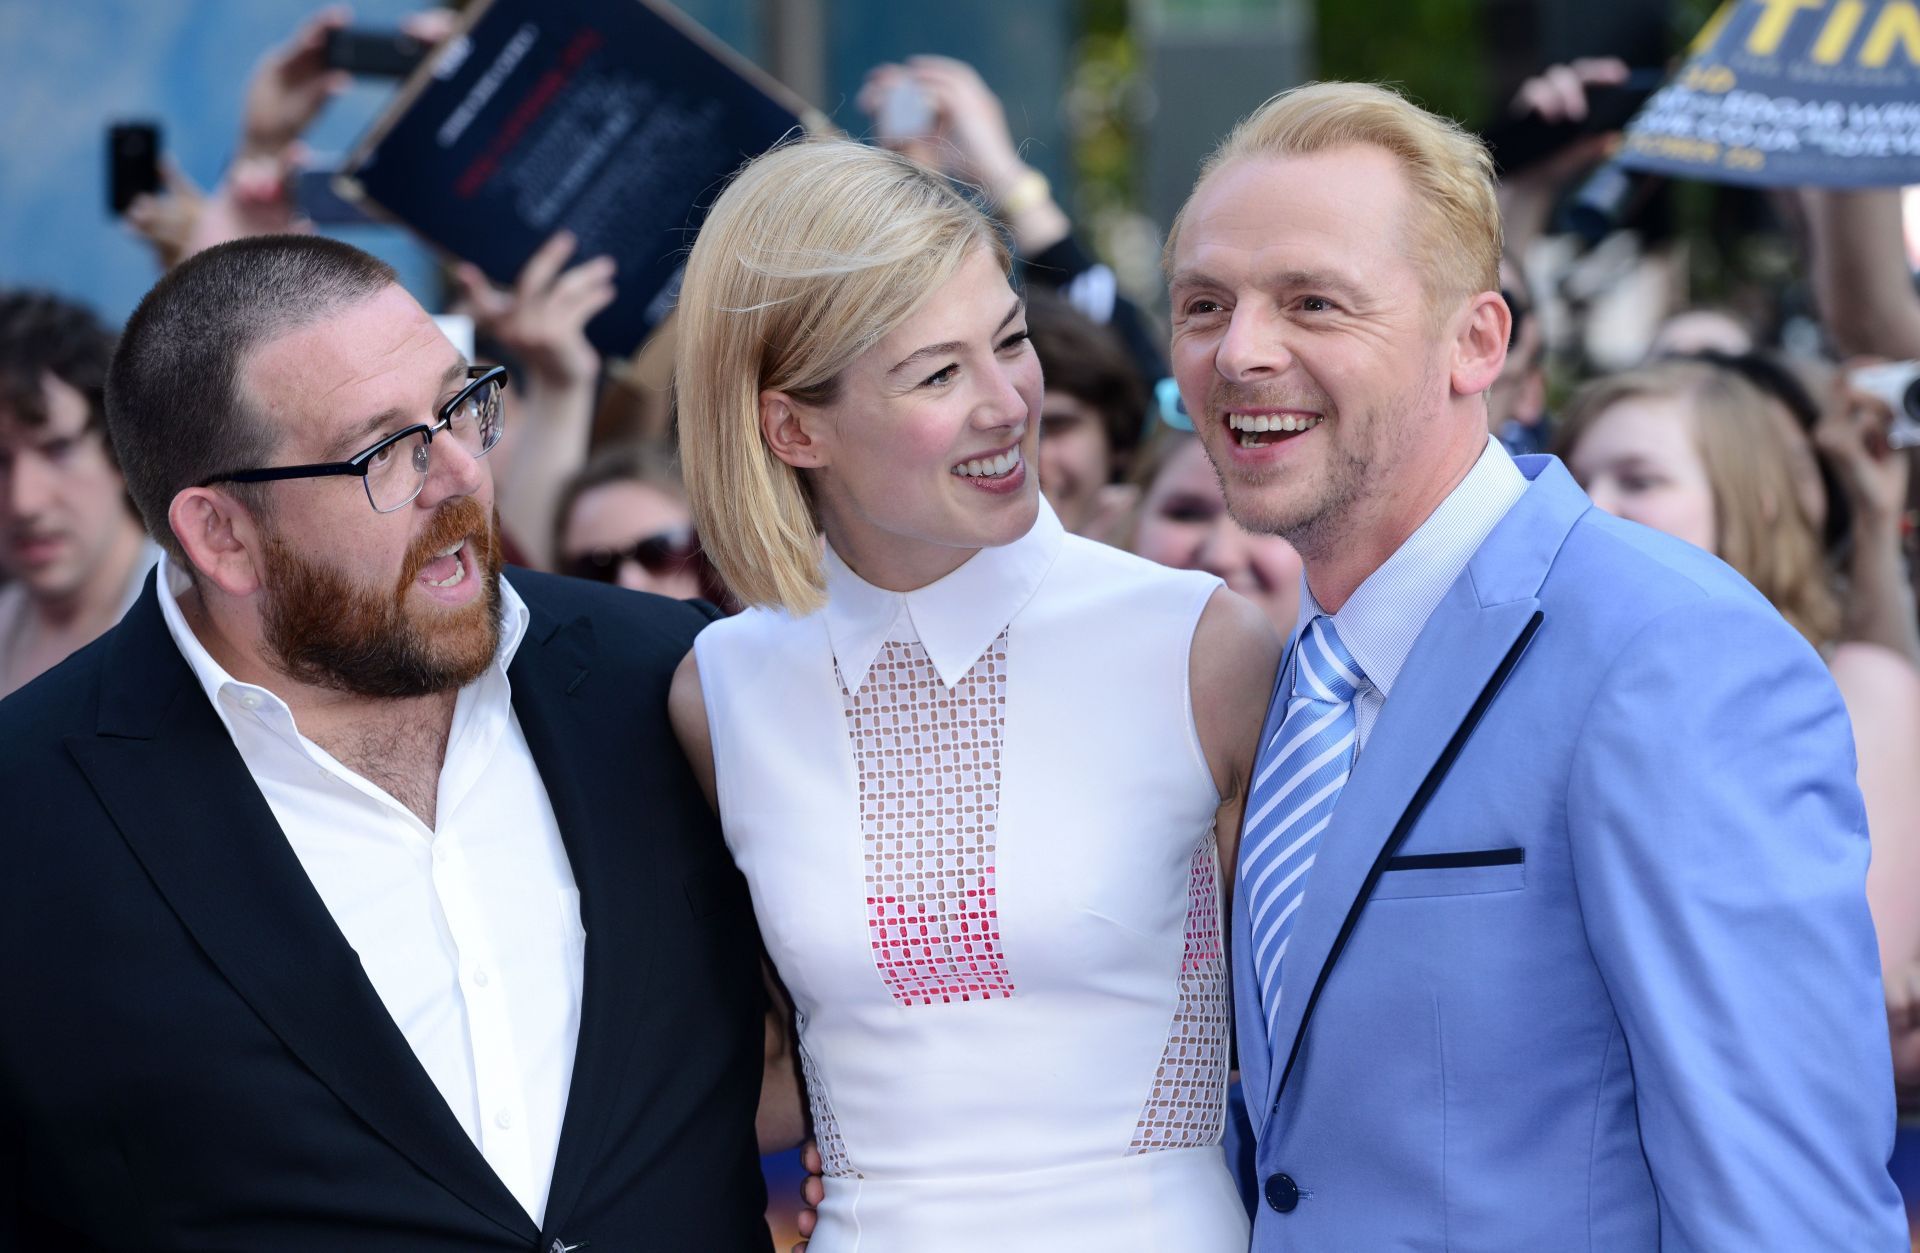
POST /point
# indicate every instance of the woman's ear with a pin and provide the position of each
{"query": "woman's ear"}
(796, 432)
(220, 539)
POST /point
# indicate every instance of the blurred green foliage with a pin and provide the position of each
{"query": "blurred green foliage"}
(1100, 118)
(1433, 50)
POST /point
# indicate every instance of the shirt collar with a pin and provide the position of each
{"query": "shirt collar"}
(171, 581)
(1386, 613)
(954, 618)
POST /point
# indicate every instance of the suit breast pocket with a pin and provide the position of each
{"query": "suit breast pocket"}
(1463, 873)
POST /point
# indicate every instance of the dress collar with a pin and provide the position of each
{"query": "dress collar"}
(955, 619)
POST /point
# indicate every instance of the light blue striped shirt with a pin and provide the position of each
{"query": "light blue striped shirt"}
(1385, 615)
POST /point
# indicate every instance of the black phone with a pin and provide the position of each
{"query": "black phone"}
(133, 162)
(320, 202)
(373, 53)
(1518, 142)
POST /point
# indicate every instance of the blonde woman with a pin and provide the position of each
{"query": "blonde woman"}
(972, 767)
(1695, 450)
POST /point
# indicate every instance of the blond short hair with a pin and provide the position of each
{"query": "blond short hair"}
(1749, 443)
(1454, 223)
(813, 254)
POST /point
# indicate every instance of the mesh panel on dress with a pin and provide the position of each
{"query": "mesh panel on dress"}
(826, 1128)
(1187, 1105)
(929, 770)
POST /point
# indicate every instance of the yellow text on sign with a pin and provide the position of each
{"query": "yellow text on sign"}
(1895, 27)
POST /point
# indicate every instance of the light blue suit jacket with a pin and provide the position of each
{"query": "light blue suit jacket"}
(1616, 989)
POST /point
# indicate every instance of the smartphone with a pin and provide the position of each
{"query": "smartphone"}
(373, 53)
(318, 201)
(133, 162)
(1518, 142)
(905, 112)
(1898, 384)
(1610, 106)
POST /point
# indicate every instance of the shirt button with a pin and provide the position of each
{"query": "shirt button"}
(251, 700)
(440, 854)
(480, 978)
(503, 1120)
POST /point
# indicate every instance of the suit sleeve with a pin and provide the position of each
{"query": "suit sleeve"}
(1720, 852)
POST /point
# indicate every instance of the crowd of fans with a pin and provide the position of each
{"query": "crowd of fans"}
(1769, 459)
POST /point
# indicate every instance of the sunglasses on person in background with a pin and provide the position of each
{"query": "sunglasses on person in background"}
(395, 469)
(665, 553)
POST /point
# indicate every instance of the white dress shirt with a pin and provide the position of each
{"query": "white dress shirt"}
(1385, 615)
(469, 931)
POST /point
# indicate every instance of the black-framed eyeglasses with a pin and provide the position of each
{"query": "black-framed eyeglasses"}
(394, 470)
(664, 553)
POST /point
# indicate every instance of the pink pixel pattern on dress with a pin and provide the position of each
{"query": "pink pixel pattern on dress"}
(929, 769)
(1187, 1106)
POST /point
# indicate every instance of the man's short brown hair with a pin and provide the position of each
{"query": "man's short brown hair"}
(176, 411)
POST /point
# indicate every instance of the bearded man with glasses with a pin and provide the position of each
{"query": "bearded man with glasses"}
(361, 897)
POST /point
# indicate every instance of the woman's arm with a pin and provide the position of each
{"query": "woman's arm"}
(1882, 693)
(1231, 668)
(1861, 282)
(687, 711)
(1852, 432)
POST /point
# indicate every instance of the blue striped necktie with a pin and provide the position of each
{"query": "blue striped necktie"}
(1296, 783)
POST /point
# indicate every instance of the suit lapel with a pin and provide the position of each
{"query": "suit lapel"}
(586, 777)
(1457, 665)
(166, 770)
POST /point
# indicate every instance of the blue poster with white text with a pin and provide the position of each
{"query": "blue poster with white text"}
(1821, 93)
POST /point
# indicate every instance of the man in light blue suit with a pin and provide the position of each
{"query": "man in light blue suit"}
(1550, 930)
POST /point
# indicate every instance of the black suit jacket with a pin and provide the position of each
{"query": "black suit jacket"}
(191, 1057)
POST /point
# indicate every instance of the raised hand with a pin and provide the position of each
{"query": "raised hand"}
(291, 85)
(1852, 432)
(166, 220)
(969, 141)
(543, 319)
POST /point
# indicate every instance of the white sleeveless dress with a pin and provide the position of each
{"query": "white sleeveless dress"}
(977, 825)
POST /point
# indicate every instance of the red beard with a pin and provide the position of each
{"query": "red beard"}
(325, 630)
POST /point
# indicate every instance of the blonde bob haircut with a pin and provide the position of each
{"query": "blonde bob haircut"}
(1754, 456)
(1453, 231)
(812, 255)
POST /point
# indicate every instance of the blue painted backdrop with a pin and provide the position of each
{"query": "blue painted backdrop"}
(70, 68)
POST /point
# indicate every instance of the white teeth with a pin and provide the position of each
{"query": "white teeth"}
(989, 467)
(1261, 423)
(459, 573)
(459, 567)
